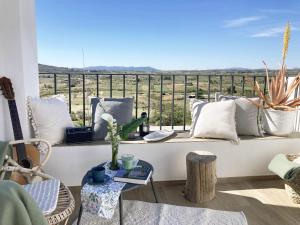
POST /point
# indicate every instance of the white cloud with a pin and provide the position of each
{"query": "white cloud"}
(241, 21)
(272, 32)
(278, 11)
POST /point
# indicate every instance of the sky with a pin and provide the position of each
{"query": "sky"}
(167, 34)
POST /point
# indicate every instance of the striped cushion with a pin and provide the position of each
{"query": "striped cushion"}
(45, 193)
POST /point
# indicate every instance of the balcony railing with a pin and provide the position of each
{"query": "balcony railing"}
(164, 97)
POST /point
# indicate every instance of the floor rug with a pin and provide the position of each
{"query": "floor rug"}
(143, 213)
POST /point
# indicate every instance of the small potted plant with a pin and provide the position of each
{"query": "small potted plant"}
(278, 103)
(116, 133)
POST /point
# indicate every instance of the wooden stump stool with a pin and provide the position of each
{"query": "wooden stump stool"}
(201, 176)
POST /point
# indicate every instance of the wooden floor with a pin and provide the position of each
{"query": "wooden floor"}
(263, 202)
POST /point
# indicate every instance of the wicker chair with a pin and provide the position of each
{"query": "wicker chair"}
(65, 204)
(64, 209)
(292, 188)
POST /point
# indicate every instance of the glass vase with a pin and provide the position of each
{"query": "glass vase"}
(114, 160)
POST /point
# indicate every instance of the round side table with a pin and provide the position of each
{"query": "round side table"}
(127, 187)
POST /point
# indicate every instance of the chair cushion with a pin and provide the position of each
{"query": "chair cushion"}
(45, 193)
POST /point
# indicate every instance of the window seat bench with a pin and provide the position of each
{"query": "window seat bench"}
(250, 157)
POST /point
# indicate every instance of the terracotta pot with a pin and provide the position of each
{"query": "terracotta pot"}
(278, 122)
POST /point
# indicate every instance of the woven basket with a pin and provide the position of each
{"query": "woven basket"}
(293, 188)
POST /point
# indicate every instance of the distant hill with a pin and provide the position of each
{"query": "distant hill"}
(54, 69)
(121, 68)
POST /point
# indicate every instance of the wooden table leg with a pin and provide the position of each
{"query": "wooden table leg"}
(80, 214)
(121, 209)
(152, 185)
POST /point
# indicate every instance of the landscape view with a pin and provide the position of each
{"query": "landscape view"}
(161, 59)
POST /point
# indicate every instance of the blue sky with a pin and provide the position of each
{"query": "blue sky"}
(167, 34)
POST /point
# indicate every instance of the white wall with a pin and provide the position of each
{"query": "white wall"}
(18, 59)
(249, 158)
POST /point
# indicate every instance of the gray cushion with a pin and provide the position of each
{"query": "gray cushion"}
(247, 115)
(94, 103)
(120, 108)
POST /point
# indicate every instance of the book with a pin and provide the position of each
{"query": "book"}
(138, 175)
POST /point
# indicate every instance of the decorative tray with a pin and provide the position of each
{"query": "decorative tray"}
(158, 135)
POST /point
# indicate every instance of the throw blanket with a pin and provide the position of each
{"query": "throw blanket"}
(17, 207)
(284, 168)
(143, 213)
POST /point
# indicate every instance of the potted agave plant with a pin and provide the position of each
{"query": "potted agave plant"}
(278, 103)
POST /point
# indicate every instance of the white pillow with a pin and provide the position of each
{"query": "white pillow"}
(247, 116)
(214, 120)
(49, 118)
